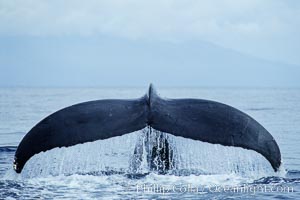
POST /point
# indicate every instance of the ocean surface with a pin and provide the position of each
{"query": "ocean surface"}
(102, 169)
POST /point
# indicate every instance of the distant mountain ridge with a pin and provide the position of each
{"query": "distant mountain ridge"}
(108, 61)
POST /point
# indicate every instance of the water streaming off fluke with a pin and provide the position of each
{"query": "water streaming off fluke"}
(140, 152)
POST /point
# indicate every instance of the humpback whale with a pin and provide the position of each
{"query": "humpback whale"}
(197, 119)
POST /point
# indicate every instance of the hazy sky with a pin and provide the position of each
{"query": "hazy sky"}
(32, 32)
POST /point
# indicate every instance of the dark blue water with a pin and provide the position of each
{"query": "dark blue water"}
(204, 170)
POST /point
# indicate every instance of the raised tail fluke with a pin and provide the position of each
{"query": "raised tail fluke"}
(203, 120)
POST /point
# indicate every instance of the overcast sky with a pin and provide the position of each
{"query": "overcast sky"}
(268, 30)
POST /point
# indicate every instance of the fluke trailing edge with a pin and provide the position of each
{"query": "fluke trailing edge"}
(203, 120)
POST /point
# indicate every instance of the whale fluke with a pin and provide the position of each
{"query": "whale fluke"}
(197, 119)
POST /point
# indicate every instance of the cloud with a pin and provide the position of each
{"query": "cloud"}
(138, 19)
(252, 26)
